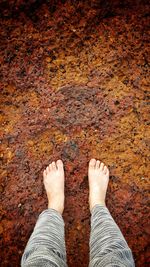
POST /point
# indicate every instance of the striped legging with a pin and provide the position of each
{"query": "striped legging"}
(46, 246)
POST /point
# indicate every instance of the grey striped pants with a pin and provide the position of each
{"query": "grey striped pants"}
(46, 246)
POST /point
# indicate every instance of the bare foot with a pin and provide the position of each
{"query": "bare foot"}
(54, 185)
(98, 175)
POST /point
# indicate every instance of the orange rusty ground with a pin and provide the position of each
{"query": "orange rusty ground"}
(74, 84)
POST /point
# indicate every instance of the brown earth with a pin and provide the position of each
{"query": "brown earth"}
(74, 85)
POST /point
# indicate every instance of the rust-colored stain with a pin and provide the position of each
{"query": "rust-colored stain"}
(74, 85)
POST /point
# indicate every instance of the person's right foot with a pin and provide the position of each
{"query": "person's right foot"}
(98, 175)
(54, 185)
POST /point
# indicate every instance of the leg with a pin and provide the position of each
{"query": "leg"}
(46, 246)
(107, 244)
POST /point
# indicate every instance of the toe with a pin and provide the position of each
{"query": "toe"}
(101, 166)
(107, 172)
(53, 165)
(92, 163)
(105, 169)
(47, 169)
(59, 164)
(44, 173)
(97, 164)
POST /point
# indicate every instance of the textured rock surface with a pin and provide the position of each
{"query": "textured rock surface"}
(74, 85)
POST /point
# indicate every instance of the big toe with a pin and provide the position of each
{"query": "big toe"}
(59, 164)
(92, 163)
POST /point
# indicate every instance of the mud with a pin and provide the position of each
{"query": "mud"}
(74, 85)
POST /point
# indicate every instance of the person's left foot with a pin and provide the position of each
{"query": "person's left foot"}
(54, 185)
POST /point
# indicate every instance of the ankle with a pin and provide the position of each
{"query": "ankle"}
(55, 206)
(92, 204)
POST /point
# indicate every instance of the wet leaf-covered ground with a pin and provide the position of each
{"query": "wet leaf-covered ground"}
(74, 85)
